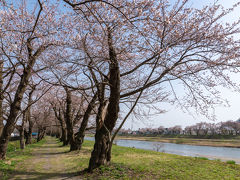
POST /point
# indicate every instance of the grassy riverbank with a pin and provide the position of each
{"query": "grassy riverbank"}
(191, 141)
(49, 160)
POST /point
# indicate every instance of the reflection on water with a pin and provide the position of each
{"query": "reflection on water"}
(222, 153)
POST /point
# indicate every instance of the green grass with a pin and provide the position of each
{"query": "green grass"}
(231, 162)
(156, 165)
(132, 163)
(179, 141)
(203, 158)
(15, 155)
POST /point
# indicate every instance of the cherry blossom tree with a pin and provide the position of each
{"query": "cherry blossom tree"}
(26, 38)
(146, 47)
(73, 111)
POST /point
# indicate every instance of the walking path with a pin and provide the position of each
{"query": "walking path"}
(47, 162)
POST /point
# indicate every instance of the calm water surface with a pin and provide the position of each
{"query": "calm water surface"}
(210, 152)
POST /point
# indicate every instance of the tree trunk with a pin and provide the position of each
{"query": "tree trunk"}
(100, 154)
(29, 134)
(64, 129)
(59, 116)
(69, 120)
(6, 134)
(64, 136)
(1, 128)
(41, 133)
(73, 145)
(58, 133)
(1, 98)
(22, 142)
(79, 138)
(9, 127)
(21, 131)
(28, 118)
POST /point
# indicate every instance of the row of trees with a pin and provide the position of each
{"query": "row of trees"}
(222, 128)
(71, 65)
(199, 129)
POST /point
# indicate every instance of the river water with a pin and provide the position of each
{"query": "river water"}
(222, 153)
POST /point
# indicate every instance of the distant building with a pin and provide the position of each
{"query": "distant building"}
(15, 133)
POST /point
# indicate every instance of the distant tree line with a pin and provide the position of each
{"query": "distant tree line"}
(200, 129)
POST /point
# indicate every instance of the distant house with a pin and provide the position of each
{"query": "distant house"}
(15, 135)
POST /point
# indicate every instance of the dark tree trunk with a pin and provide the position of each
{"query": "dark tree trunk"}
(22, 141)
(73, 145)
(6, 134)
(197, 133)
(4, 141)
(100, 154)
(59, 116)
(64, 137)
(21, 131)
(69, 120)
(79, 138)
(29, 134)
(1, 98)
(1, 128)
(58, 134)
(28, 117)
(41, 133)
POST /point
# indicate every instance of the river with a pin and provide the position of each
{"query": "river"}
(222, 153)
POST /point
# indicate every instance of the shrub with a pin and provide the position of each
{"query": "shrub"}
(203, 158)
(179, 141)
(231, 162)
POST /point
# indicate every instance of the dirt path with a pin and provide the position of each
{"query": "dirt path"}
(47, 162)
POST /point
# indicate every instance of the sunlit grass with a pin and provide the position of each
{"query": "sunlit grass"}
(130, 163)
(168, 166)
(15, 155)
